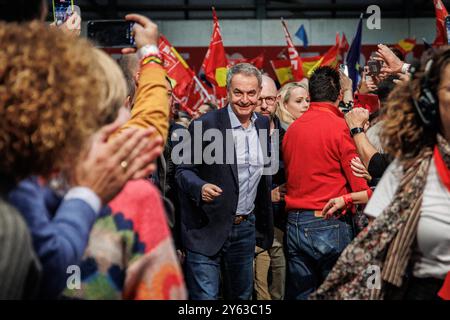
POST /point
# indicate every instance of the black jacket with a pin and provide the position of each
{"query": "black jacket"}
(206, 226)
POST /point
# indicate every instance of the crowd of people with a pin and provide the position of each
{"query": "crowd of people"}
(108, 190)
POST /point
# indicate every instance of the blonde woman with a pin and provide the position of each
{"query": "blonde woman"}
(292, 102)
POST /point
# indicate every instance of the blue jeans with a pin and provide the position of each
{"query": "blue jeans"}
(234, 261)
(313, 245)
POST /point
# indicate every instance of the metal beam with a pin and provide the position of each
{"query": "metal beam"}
(261, 10)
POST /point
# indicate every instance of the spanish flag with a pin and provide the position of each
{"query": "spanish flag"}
(330, 58)
(283, 71)
(406, 45)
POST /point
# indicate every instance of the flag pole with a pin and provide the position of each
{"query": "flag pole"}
(201, 86)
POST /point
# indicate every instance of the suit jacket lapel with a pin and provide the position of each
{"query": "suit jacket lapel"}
(224, 124)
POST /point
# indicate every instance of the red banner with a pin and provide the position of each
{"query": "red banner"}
(441, 32)
(294, 57)
(215, 63)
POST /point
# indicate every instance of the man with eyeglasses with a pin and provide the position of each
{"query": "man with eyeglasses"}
(272, 258)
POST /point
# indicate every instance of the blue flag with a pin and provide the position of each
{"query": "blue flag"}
(353, 55)
(301, 34)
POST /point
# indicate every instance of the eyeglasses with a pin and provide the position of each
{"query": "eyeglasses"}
(270, 101)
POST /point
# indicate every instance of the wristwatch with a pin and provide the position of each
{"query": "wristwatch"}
(356, 130)
(147, 50)
(405, 68)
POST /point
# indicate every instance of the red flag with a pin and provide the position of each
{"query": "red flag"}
(216, 62)
(296, 61)
(343, 48)
(177, 69)
(258, 61)
(441, 32)
(197, 95)
(187, 89)
(444, 293)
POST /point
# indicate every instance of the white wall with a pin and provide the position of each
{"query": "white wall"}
(197, 33)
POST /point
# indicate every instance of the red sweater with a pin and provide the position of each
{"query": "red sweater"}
(317, 150)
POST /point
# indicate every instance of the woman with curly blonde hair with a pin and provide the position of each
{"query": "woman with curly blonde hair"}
(409, 240)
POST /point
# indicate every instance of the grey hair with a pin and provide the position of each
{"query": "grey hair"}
(246, 69)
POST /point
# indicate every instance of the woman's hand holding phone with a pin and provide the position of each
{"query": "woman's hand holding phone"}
(145, 32)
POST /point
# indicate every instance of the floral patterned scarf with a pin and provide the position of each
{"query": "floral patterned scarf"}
(388, 241)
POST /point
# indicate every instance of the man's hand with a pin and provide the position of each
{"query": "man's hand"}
(210, 191)
(145, 32)
(357, 118)
(333, 208)
(346, 82)
(392, 64)
(108, 164)
(367, 84)
(359, 170)
(278, 193)
(346, 88)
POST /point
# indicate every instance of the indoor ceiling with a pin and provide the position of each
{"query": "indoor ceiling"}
(252, 9)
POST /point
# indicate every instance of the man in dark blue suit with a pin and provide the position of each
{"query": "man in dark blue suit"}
(225, 204)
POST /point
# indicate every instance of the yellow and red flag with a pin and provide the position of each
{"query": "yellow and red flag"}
(187, 89)
(441, 33)
(215, 63)
(177, 69)
(330, 58)
(406, 45)
(283, 68)
(283, 71)
(294, 57)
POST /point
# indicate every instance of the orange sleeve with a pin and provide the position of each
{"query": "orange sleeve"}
(152, 103)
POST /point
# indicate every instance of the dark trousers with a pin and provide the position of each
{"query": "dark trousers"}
(234, 261)
(313, 246)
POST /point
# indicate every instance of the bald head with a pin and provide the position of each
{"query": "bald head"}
(269, 88)
(268, 96)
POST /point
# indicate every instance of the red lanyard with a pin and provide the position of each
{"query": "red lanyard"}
(441, 167)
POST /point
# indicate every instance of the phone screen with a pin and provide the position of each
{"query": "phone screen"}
(344, 69)
(447, 27)
(111, 34)
(62, 9)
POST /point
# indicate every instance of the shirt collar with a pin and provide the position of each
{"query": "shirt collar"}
(235, 123)
(326, 106)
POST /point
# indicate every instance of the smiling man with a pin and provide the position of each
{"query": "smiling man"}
(226, 207)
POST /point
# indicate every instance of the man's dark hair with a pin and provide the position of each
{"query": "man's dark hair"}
(324, 85)
(21, 10)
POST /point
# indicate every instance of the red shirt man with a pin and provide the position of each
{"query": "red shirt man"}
(317, 151)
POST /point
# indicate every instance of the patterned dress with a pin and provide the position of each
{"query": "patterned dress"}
(130, 254)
